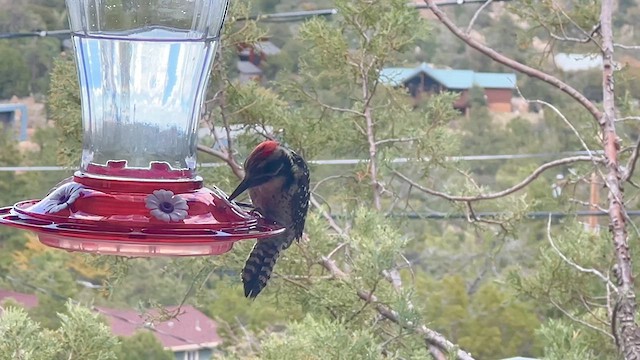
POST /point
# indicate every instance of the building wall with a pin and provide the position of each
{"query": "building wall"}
(499, 100)
(500, 107)
(422, 87)
(463, 100)
(203, 354)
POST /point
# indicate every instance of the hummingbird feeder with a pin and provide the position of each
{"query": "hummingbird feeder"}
(143, 68)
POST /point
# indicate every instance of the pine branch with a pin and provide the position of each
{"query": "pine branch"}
(431, 337)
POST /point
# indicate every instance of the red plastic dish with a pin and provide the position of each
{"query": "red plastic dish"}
(138, 218)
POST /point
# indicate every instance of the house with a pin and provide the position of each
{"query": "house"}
(257, 52)
(252, 57)
(425, 79)
(247, 71)
(8, 114)
(28, 301)
(191, 335)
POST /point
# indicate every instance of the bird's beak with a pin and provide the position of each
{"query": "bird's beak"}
(244, 185)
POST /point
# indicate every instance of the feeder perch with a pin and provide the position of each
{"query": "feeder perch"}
(143, 71)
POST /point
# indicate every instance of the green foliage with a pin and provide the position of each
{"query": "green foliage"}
(565, 340)
(492, 314)
(64, 109)
(477, 97)
(84, 335)
(14, 74)
(30, 59)
(321, 339)
(327, 102)
(81, 336)
(557, 283)
(22, 339)
(226, 303)
(47, 271)
(142, 345)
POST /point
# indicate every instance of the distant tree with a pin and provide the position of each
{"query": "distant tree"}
(365, 282)
(477, 97)
(64, 108)
(584, 257)
(142, 345)
(81, 336)
(14, 73)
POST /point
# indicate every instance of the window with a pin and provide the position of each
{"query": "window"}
(191, 355)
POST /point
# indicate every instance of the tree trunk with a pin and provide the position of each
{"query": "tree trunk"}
(623, 318)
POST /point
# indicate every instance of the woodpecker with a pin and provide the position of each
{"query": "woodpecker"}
(278, 183)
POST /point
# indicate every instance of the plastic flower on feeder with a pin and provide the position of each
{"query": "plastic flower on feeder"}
(62, 198)
(166, 206)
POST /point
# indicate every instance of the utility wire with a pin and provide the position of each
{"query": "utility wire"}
(291, 16)
(401, 160)
(535, 215)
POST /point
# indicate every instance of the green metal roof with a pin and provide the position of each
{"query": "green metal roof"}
(451, 79)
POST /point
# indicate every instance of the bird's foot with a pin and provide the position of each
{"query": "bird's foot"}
(243, 204)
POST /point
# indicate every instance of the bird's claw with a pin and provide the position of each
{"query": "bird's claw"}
(257, 213)
(243, 204)
(252, 209)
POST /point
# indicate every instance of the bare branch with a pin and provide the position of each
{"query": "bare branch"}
(631, 164)
(588, 204)
(329, 107)
(534, 175)
(579, 321)
(476, 14)
(431, 337)
(564, 118)
(329, 178)
(393, 276)
(337, 228)
(637, 118)
(627, 47)
(588, 34)
(571, 263)
(396, 140)
(336, 249)
(583, 40)
(226, 157)
(504, 60)
(472, 217)
(367, 95)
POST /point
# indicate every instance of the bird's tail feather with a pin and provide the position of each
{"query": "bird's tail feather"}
(259, 265)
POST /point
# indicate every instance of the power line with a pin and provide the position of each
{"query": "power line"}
(401, 160)
(291, 16)
(535, 215)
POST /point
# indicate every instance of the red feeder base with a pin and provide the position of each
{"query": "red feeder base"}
(138, 218)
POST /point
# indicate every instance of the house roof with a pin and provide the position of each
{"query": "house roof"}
(27, 300)
(451, 79)
(12, 107)
(267, 47)
(191, 330)
(247, 67)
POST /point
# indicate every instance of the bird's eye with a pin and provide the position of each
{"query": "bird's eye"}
(272, 168)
